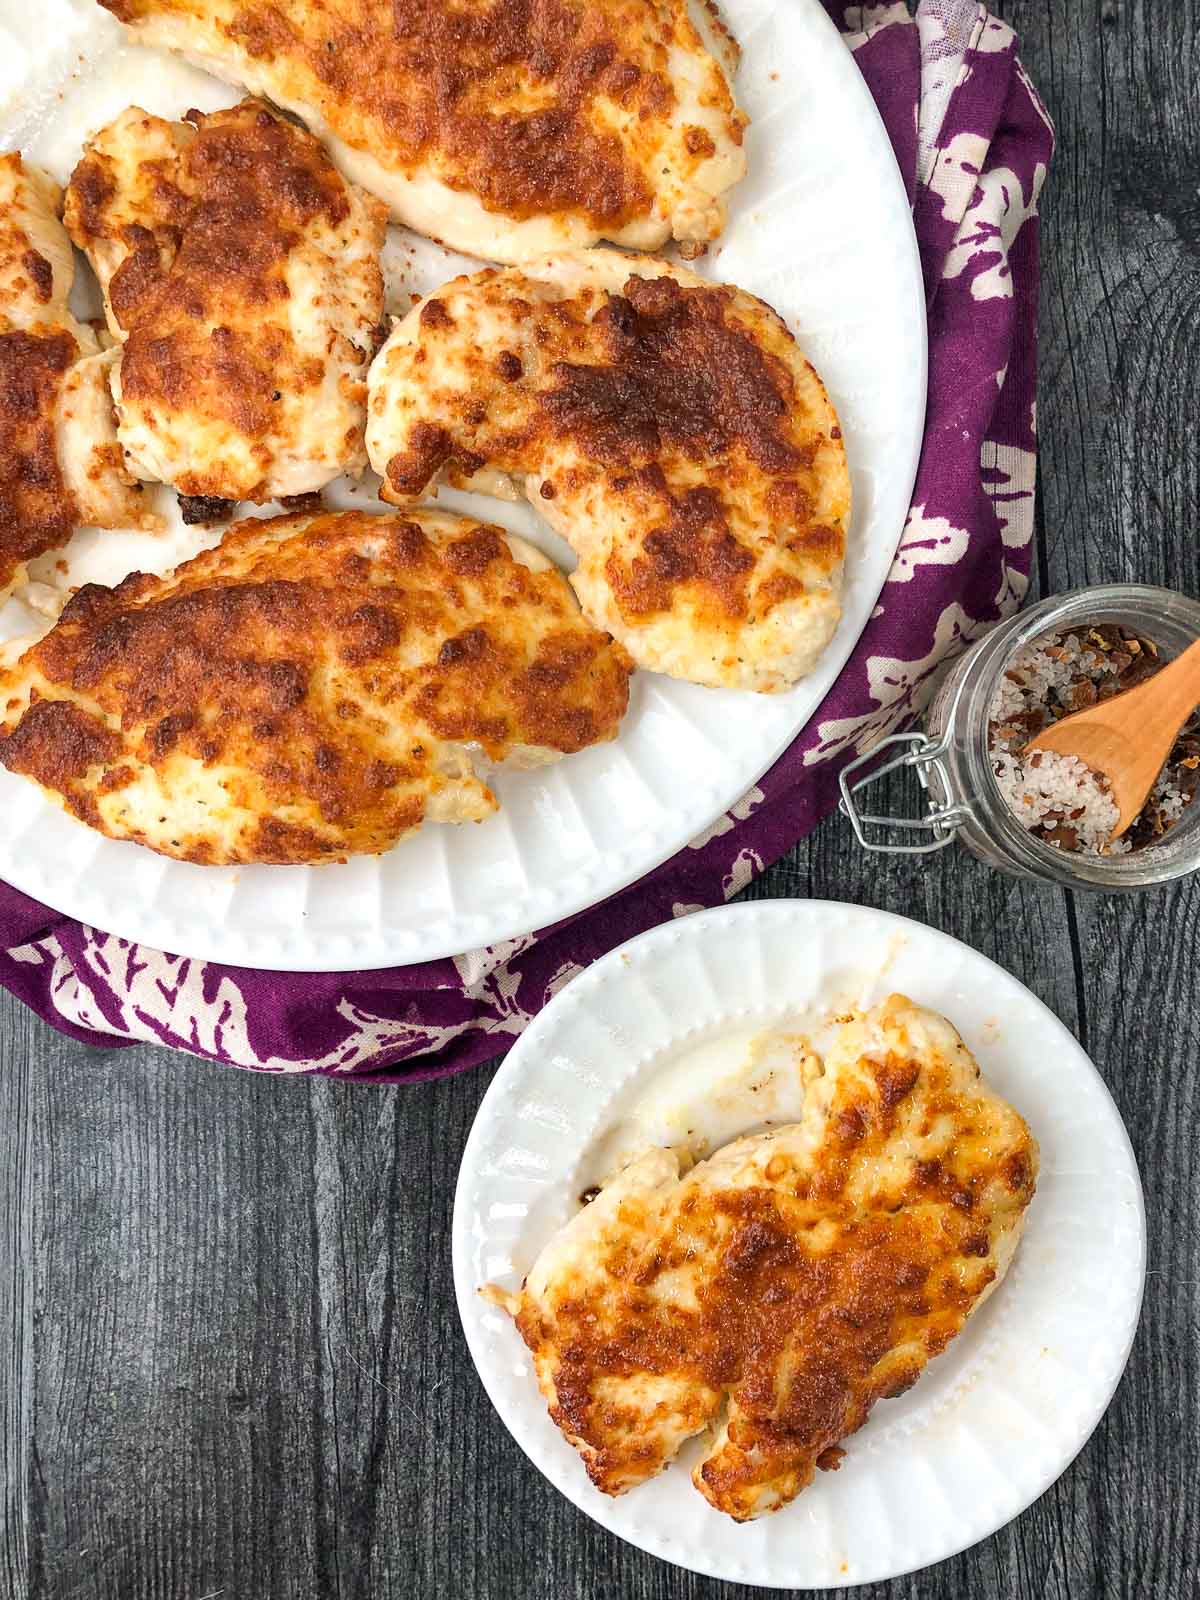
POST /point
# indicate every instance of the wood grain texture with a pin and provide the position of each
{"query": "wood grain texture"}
(230, 1364)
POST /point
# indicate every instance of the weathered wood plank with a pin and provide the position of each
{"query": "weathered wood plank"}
(17, 1231)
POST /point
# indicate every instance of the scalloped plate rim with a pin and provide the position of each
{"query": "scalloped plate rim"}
(536, 1044)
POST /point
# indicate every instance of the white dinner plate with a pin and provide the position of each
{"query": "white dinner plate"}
(821, 229)
(664, 1038)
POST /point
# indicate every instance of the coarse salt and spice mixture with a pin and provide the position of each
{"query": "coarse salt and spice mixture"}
(1057, 797)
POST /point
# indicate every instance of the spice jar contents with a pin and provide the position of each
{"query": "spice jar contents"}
(1058, 797)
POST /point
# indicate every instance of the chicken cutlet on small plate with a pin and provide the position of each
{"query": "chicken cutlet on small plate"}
(60, 464)
(778, 1289)
(501, 129)
(754, 1219)
(241, 277)
(573, 833)
(669, 428)
(316, 687)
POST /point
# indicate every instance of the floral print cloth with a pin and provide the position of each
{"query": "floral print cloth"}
(973, 142)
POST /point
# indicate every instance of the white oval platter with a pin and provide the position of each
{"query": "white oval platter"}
(828, 242)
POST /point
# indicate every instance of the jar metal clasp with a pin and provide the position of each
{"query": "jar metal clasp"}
(942, 819)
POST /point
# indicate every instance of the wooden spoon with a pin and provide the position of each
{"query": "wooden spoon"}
(1127, 739)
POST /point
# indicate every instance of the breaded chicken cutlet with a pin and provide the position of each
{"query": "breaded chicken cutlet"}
(779, 1289)
(313, 688)
(504, 128)
(60, 464)
(241, 276)
(668, 428)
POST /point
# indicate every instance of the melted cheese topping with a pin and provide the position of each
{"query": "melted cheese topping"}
(667, 427)
(314, 687)
(60, 464)
(242, 273)
(782, 1287)
(502, 129)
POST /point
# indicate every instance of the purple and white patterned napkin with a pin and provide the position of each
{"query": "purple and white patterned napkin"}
(973, 142)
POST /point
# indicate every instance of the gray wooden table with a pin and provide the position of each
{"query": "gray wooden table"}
(230, 1363)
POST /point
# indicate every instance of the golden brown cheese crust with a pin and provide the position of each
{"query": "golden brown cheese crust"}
(60, 464)
(32, 280)
(259, 185)
(37, 511)
(126, 207)
(304, 691)
(219, 246)
(798, 1276)
(669, 429)
(533, 107)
